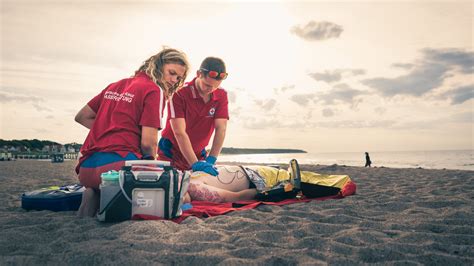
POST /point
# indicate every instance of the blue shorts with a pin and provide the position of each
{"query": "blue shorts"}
(98, 163)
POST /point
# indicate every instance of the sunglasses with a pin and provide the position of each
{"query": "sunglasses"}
(214, 74)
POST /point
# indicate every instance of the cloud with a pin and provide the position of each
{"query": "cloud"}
(426, 75)
(421, 80)
(232, 96)
(465, 117)
(357, 124)
(308, 115)
(317, 31)
(357, 72)
(328, 112)
(40, 108)
(302, 99)
(284, 88)
(274, 122)
(235, 111)
(262, 123)
(404, 66)
(35, 100)
(336, 75)
(49, 117)
(460, 95)
(341, 93)
(452, 57)
(380, 110)
(41, 130)
(327, 76)
(266, 105)
(5, 98)
(439, 122)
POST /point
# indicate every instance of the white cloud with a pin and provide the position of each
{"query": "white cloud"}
(341, 93)
(318, 31)
(283, 88)
(302, 99)
(402, 65)
(232, 96)
(336, 75)
(357, 124)
(427, 74)
(266, 105)
(328, 112)
(10, 97)
(460, 95)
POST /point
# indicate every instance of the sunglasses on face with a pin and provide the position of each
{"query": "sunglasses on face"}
(214, 74)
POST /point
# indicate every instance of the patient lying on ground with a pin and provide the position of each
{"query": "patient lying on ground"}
(231, 185)
(265, 183)
(236, 183)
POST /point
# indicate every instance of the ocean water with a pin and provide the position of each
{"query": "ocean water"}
(452, 159)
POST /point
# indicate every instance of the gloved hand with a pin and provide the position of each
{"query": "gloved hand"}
(165, 146)
(205, 167)
(211, 159)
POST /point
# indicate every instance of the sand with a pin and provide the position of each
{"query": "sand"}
(398, 216)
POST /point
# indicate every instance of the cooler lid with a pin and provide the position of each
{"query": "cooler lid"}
(110, 176)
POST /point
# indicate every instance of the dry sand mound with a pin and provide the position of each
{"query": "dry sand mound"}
(398, 216)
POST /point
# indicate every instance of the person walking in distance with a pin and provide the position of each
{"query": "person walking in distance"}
(368, 162)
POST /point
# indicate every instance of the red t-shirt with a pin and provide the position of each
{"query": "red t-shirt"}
(199, 117)
(121, 110)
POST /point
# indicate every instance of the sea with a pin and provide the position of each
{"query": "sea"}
(446, 159)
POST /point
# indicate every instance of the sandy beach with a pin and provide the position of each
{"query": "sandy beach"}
(398, 216)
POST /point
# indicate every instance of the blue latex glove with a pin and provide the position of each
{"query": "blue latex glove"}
(205, 167)
(165, 146)
(211, 159)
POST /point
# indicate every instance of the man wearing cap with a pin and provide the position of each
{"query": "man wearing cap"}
(195, 112)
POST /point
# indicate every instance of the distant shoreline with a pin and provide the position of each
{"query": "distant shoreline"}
(259, 151)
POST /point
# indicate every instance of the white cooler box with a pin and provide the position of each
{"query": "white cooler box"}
(148, 188)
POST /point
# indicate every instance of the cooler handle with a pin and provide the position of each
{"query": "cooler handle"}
(154, 162)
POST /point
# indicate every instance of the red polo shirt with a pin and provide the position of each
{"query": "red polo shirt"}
(121, 110)
(199, 117)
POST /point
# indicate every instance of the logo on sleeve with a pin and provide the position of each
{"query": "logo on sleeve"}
(212, 111)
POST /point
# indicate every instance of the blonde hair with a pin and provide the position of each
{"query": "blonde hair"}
(153, 67)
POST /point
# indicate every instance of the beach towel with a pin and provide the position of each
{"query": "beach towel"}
(204, 209)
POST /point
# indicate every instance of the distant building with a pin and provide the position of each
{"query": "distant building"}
(56, 148)
(22, 149)
(6, 156)
(46, 149)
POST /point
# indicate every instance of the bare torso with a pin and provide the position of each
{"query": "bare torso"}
(230, 178)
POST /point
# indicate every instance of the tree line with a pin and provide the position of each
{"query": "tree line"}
(34, 144)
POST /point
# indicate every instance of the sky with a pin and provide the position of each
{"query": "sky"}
(322, 76)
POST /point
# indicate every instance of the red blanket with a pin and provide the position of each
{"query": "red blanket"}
(204, 209)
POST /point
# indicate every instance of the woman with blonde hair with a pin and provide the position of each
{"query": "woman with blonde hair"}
(124, 120)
